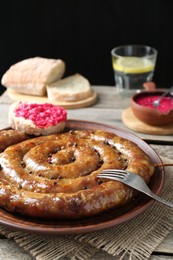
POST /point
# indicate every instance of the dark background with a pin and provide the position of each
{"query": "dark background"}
(83, 32)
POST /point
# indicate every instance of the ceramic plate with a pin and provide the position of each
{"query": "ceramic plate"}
(102, 221)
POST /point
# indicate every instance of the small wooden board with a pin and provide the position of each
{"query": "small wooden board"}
(15, 96)
(132, 122)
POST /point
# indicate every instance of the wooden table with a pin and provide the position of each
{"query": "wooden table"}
(108, 110)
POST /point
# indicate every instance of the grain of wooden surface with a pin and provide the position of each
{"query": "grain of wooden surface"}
(108, 110)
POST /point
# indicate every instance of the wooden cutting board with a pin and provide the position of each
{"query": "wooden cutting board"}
(132, 122)
(15, 96)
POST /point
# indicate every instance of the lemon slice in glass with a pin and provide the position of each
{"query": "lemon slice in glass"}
(133, 64)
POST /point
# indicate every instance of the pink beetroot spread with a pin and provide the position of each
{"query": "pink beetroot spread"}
(166, 103)
(42, 115)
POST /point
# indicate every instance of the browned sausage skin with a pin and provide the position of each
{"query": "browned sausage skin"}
(10, 137)
(55, 176)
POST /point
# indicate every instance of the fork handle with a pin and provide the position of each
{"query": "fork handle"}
(159, 199)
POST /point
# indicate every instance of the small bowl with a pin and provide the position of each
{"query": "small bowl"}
(148, 115)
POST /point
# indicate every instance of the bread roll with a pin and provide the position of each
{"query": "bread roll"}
(37, 119)
(69, 89)
(30, 76)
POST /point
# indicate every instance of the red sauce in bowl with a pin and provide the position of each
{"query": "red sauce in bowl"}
(166, 103)
(42, 115)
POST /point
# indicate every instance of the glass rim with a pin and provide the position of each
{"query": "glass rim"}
(155, 52)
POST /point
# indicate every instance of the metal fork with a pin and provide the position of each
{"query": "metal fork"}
(132, 180)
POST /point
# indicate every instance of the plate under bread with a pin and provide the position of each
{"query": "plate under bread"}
(15, 96)
(99, 222)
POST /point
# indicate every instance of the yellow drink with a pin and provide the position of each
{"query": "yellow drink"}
(133, 65)
(131, 72)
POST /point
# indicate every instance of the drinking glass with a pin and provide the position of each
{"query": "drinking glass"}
(133, 65)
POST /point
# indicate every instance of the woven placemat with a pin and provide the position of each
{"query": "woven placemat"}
(135, 239)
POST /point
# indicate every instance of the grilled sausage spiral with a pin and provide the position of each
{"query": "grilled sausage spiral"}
(55, 176)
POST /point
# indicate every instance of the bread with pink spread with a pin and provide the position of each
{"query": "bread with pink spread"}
(30, 76)
(37, 119)
(69, 89)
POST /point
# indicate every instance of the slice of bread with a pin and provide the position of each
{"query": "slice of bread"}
(69, 89)
(30, 76)
(37, 119)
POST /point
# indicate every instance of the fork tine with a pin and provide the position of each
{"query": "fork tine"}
(110, 177)
(113, 175)
(115, 171)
